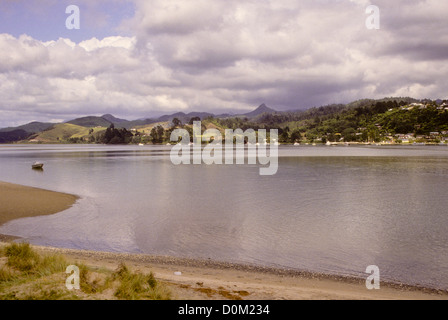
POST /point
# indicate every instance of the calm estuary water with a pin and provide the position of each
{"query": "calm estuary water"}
(328, 209)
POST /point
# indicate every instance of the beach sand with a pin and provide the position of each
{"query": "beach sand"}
(20, 202)
(204, 279)
(214, 280)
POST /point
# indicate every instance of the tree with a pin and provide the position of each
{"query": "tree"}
(109, 134)
(194, 119)
(116, 136)
(157, 134)
(348, 134)
(284, 137)
(296, 136)
(176, 122)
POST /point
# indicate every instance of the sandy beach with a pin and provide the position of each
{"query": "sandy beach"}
(207, 279)
(194, 279)
(20, 202)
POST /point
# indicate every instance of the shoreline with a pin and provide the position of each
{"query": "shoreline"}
(205, 279)
(303, 143)
(202, 279)
(236, 266)
(20, 201)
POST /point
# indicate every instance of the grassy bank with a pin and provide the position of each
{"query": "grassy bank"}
(26, 274)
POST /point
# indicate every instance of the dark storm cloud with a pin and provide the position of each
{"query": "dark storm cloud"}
(204, 55)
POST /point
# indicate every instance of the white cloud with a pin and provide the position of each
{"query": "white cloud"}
(219, 55)
(109, 42)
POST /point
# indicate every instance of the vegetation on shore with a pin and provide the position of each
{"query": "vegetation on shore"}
(27, 275)
(389, 120)
(366, 121)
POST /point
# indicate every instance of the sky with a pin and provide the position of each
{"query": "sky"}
(142, 58)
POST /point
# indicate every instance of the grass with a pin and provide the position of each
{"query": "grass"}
(24, 259)
(6, 275)
(64, 131)
(28, 275)
(146, 129)
(21, 257)
(135, 286)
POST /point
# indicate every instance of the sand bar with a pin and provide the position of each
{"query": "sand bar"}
(20, 202)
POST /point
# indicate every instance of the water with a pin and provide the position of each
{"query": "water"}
(328, 209)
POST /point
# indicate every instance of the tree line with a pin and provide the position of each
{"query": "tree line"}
(364, 120)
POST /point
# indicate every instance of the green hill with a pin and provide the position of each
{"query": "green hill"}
(90, 122)
(13, 136)
(108, 119)
(66, 132)
(32, 127)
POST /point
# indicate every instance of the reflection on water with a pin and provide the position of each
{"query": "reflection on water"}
(328, 209)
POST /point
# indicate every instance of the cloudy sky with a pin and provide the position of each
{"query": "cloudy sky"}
(139, 58)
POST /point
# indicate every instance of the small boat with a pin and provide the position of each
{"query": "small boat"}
(37, 165)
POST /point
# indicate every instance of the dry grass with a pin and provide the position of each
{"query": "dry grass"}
(28, 275)
(136, 286)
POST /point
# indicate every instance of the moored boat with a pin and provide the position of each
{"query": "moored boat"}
(37, 165)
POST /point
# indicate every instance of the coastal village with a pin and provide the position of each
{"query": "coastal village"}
(435, 137)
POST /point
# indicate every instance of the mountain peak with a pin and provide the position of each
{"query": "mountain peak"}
(112, 119)
(263, 108)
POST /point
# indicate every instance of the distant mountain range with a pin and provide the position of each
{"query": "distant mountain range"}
(108, 119)
(315, 121)
(12, 134)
